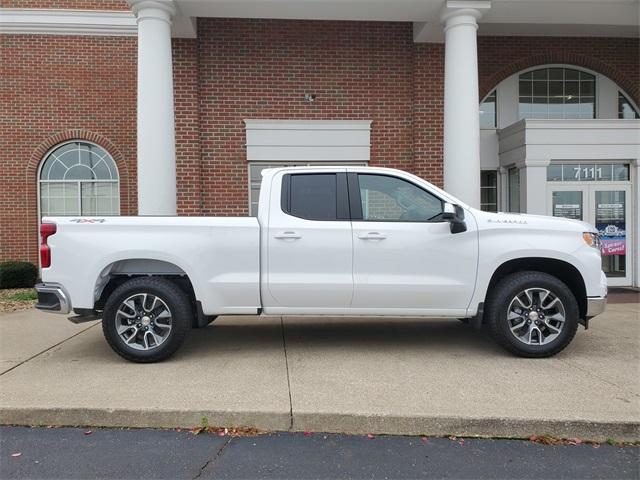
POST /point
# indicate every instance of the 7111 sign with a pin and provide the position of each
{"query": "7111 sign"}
(587, 173)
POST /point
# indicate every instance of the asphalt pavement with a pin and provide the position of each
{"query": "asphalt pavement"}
(70, 453)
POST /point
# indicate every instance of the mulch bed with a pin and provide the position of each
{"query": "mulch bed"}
(10, 299)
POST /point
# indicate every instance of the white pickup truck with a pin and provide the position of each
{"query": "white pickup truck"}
(350, 241)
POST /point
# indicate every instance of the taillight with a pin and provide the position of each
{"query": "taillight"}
(46, 230)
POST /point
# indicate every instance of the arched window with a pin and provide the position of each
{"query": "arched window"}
(557, 92)
(626, 108)
(79, 178)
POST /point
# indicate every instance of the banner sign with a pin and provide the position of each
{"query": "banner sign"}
(613, 237)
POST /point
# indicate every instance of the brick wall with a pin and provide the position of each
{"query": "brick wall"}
(262, 69)
(55, 88)
(617, 58)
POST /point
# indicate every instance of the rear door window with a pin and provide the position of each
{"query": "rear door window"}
(311, 196)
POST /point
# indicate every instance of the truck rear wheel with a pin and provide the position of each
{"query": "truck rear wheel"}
(532, 314)
(146, 319)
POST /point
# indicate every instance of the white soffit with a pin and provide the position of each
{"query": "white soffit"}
(81, 22)
(308, 140)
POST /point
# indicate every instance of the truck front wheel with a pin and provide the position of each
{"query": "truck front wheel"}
(532, 314)
(146, 319)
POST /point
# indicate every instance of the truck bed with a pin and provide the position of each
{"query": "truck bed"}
(220, 255)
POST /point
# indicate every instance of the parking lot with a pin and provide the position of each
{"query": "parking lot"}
(400, 376)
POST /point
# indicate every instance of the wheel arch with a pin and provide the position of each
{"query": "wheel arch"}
(118, 272)
(560, 269)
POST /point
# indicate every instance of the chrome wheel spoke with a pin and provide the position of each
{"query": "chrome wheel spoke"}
(143, 321)
(133, 336)
(125, 314)
(518, 326)
(535, 316)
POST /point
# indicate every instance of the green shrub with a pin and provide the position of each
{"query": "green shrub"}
(18, 275)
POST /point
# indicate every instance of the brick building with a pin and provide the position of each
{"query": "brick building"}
(173, 107)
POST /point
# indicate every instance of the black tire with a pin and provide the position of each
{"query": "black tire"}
(501, 296)
(175, 299)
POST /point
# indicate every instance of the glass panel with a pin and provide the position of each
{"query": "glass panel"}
(489, 190)
(101, 171)
(570, 74)
(541, 74)
(556, 89)
(387, 198)
(603, 172)
(79, 172)
(526, 88)
(625, 109)
(488, 112)
(587, 89)
(554, 173)
(314, 196)
(514, 190)
(587, 172)
(611, 224)
(620, 172)
(572, 89)
(556, 74)
(540, 89)
(567, 204)
(571, 173)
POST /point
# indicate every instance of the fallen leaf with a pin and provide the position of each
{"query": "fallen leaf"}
(461, 442)
(424, 439)
(307, 433)
(453, 438)
(370, 436)
(88, 432)
(574, 441)
(596, 445)
(17, 454)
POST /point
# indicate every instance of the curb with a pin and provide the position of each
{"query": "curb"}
(598, 431)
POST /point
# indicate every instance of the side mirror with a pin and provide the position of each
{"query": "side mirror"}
(449, 212)
(454, 214)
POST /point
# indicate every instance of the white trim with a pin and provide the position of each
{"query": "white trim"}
(253, 124)
(68, 22)
(110, 23)
(304, 141)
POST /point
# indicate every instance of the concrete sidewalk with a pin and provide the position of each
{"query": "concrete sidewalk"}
(433, 377)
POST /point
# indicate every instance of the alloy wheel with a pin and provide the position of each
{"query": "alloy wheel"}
(536, 316)
(143, 321)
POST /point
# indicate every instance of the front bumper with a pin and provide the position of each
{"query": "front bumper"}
(53, 298)
(595, 306)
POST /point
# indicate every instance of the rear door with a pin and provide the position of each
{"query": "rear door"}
(309, 251)
(405, 258)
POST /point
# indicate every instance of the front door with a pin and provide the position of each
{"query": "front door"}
(607, 208)
(405, 258)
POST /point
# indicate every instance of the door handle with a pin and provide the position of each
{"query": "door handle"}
(371, 236)
(287, 235)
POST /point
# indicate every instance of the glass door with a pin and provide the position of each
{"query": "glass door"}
(607, 208)
(611, 216)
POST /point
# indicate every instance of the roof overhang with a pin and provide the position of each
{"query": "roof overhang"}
(582, 18)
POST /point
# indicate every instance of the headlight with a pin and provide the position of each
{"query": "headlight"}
(592, 239)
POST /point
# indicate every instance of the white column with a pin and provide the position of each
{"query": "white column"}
(461, 103)
(156, 125)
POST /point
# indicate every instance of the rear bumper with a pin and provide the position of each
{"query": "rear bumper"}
(53, 298)
(595, 306)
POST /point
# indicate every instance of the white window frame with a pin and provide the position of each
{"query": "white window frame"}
(79, 183)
